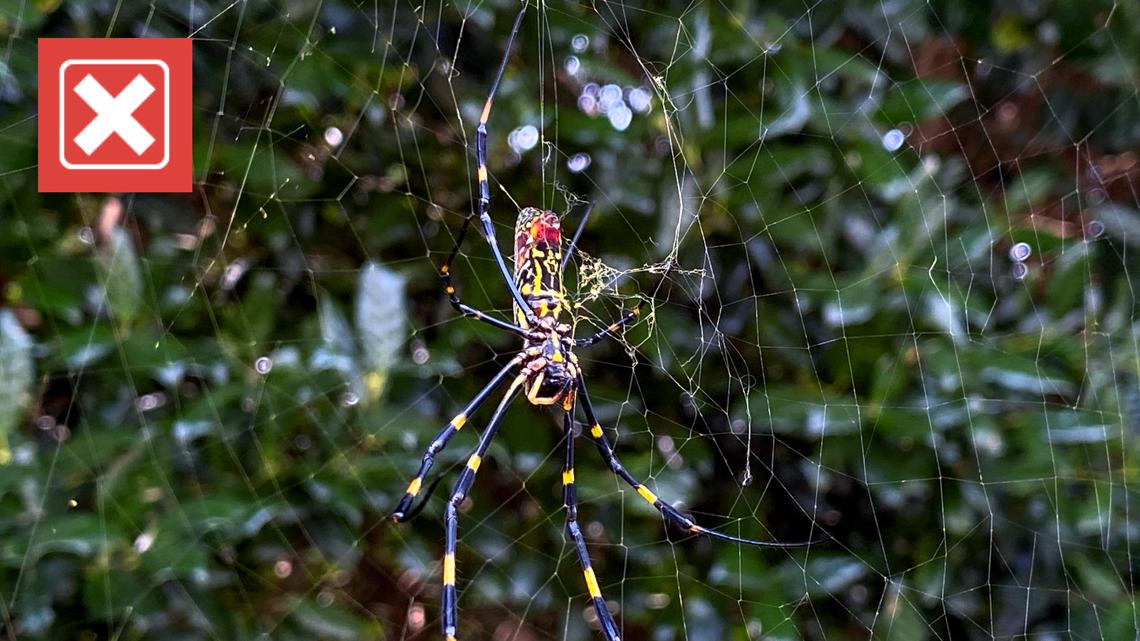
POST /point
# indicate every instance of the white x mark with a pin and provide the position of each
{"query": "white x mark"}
(114, 114)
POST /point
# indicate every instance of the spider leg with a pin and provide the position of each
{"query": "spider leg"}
(453, 296)
(570, 502)
(672, 515)
(626, 318)
(622, 322)
(577, 233)
(451, 515)
(485, 185)
(401, 513)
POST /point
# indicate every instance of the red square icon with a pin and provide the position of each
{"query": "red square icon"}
(115, 114)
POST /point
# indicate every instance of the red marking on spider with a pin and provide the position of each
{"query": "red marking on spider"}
(544, 232)
(540, 232)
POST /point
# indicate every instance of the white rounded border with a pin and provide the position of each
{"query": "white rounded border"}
(165, 112)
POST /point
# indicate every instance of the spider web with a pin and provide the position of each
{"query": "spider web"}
(899, 309)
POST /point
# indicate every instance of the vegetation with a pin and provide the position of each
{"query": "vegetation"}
(904, 310)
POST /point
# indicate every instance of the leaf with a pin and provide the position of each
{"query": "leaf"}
(81, 534)
(1030, 187)
(337, 351)
(170, 551)
(84, 346)
(16, 376)
(801, 411)
(707, 624)
(1009, 34)
(120, 276)
(1017, 375)
(1072, 426)
(381, 323)
(852, 305)
(792, 116)
(335, 332)
(330, 622)
(231, 515)
(900, 618)
(917, 102)
(823, 575)
(1098, 581)
(1120, 222)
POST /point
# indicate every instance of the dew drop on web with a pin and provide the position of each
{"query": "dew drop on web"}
(1019, 252)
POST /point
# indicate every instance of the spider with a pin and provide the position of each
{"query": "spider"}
(545, 370)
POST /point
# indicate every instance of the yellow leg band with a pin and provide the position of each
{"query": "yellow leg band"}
(568, 477)
(646, 494)
(474, 462)
(592, 582)
(449, 569)
(414, 486)
(596, 431)
(459, 421)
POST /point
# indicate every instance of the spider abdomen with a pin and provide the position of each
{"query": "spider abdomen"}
(538, 263)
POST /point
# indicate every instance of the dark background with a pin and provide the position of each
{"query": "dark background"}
(210, 401)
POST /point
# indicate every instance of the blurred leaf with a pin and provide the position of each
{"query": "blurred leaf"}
(80, 348)
(77, 533)
(120, 276)
(333, 623)
(16, 377)
(899, 618)
(232, 515)
(916, 101)
(1101, 582)
(801, 410)
(826, 575)
(1029, 188)
(1009, 34)
(1120, 222)
(337, 351)
(381, 323)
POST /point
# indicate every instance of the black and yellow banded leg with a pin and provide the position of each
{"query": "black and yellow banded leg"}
(453, 295)
(440, 441)
(451, 514)
(485, 184)
(570, 502)
(626, 318)
(622, 322)
(672, 515)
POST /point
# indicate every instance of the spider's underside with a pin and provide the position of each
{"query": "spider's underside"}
(545, 370)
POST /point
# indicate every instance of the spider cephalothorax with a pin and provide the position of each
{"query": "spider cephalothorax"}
(551, 370)
(545, 369)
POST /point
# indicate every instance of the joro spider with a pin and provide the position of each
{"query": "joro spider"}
(547, 371)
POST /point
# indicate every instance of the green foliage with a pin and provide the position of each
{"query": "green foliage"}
(212, 400)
